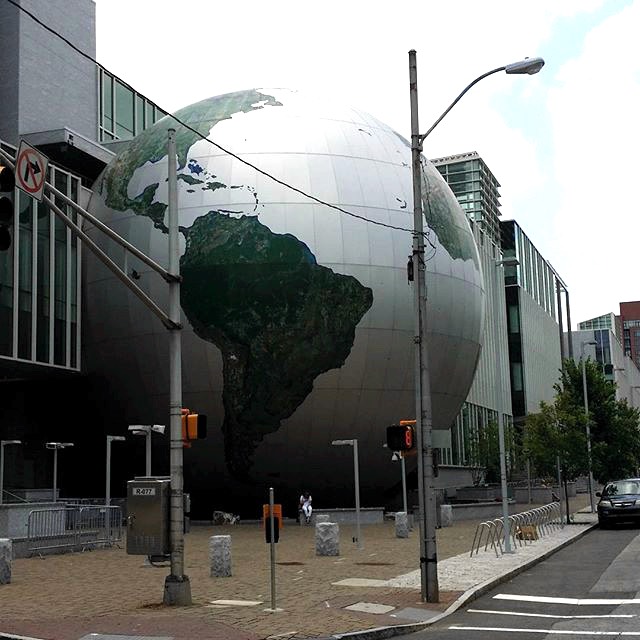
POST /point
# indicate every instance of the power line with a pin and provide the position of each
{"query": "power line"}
(203, 137)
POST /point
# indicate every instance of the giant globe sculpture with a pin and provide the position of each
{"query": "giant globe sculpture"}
(298, 317)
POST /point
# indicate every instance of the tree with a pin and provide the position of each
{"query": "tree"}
(484, 454)
(560, 428)
(552, 434)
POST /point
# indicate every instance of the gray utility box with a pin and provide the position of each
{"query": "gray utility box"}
(148, 501)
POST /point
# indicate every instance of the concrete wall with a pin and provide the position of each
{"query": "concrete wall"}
(540, 351)
(44, 83)
(368, 515)
(15, 517)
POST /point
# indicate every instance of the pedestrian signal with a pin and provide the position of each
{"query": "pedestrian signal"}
(194, 426)
(401, 437)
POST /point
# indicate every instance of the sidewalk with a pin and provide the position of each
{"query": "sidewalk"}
(106, 594)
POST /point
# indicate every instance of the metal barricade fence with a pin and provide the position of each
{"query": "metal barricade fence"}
(524, 527)
(73, 527)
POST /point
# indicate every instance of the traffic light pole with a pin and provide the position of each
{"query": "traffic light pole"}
(426, 491)
(177, 588)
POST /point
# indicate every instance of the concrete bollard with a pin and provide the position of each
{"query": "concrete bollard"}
(402, 525)
(6, 555)
(327, 539)
(220, 556)
(446, 515)
(322, 517)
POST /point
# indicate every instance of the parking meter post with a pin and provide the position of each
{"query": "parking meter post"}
(560, 489)
(272, 550)
(566, 496)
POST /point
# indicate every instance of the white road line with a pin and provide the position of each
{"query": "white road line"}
(558, 632)
(549, 615)
(574, 601)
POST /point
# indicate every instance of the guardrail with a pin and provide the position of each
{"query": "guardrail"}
(524, 527)
(73, 528)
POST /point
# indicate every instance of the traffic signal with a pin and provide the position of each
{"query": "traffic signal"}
(7, 189)
(194, 426)
(401, 437)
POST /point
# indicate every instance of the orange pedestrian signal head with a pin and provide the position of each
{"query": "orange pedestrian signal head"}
(194, 426)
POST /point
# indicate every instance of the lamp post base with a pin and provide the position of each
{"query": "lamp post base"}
(177, 591)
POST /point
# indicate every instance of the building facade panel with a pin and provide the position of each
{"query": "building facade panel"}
(541, 348)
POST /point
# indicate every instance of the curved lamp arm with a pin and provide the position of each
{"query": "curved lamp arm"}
(528, 66)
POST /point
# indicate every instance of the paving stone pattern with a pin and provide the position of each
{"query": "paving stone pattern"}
(107, 591)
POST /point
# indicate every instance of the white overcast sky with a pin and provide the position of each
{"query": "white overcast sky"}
(561, 143)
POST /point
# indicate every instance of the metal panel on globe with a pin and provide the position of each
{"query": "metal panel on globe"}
(298, 318)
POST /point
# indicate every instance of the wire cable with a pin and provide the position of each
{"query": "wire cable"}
(203, 137)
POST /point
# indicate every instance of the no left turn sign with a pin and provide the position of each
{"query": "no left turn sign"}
(31, 170)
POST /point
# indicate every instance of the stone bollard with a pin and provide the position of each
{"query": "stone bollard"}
(6, 554)
(402, 525)
(220, 556)
(322, 517)
(446, 515)
(327, 539)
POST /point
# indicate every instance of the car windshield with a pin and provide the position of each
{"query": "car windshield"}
(622, 488)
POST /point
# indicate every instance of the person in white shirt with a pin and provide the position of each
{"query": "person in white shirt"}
(305, 505)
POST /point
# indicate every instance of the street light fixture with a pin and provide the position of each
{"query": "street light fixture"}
(55, 446)
(428, 551)
(146, 430)
(107, 493)
(3, 444)
(354, 443)
(586, 415)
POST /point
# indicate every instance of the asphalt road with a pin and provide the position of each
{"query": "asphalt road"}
(578, 592)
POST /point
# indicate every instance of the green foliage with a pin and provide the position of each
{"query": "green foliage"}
(485, 454)
(559, 429)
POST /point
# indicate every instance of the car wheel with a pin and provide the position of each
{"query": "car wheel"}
(603, 524)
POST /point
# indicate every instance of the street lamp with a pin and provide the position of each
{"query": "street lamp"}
(145, 430)
(399, 455)
(55, 446)
(507, 262)
(586, 415)
(354, 443)
(3, 444)
(107, 493)
(428, 551)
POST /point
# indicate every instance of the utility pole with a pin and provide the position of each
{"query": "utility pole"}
(177, 588)
(424, 436)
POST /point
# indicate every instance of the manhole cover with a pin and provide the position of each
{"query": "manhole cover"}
(376, 564)
(290, 563)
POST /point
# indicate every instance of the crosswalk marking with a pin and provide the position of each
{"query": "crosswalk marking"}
(550, 615)
(564, 632)
(574, 601)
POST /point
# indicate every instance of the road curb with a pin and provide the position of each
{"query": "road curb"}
(380, 633)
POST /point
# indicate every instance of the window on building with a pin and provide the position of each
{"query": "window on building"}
(123, 113)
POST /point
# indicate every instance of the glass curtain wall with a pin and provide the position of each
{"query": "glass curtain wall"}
(123, 113)
(39, 281)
